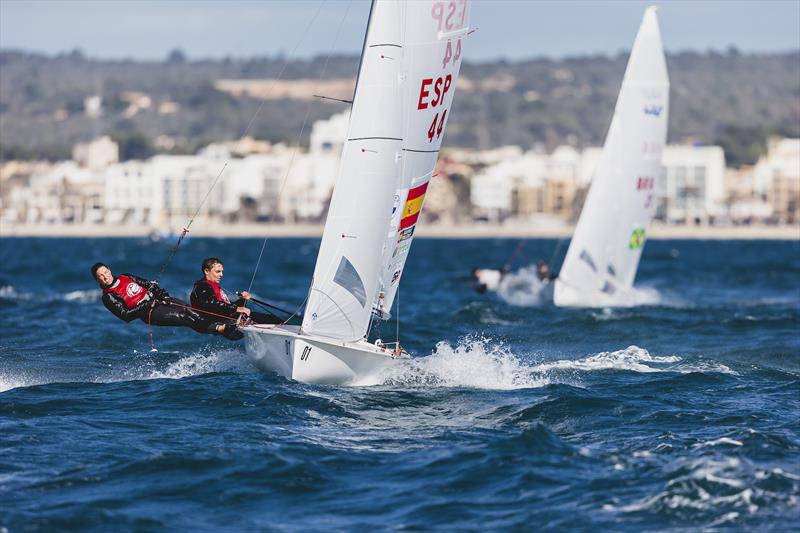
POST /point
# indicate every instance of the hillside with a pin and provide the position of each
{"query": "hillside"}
(731, 99)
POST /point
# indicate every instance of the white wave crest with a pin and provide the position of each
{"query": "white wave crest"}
(480, 363)
(8, 292)
(473, 362)
(152, 366)
(631, 358)
(85, 296)
(710, 485)
(196, 364)
(8, 382)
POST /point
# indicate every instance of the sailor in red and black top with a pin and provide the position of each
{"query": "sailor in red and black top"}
(209, 296)
(130, 297)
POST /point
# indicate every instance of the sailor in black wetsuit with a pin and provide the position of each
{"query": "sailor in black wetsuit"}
(543, 272)
(130, 297)
(209, 296)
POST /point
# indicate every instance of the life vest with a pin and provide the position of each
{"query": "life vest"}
(221, 296)
(131, 292)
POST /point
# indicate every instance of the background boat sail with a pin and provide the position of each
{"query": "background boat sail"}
(601, 262)
(404, 93)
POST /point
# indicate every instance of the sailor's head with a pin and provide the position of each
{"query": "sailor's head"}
(212, 269)
(476, 272)
(102, 274)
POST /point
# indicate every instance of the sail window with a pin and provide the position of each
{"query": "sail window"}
(608, 288)
(588, 260)
(347, 277)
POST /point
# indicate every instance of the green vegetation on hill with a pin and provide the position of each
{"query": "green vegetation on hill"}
(732, 99)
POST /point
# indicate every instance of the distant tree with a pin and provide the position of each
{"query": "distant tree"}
(743, 145)
(133, 146)
(176, 57)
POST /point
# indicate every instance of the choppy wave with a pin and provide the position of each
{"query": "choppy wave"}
(9, 293)
(718, 490)
(142, 367)
(215, 361)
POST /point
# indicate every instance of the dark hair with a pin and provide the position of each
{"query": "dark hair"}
(209, 262)
(96, 267)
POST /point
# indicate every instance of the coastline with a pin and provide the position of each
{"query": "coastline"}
(441, 231)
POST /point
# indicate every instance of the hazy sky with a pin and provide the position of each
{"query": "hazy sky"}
(149, 29)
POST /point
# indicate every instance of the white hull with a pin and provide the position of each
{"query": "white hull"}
(314, 359)
(567, 296)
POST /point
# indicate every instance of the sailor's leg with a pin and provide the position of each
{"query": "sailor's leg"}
(177, 316)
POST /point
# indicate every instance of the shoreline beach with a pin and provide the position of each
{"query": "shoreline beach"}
(443, 231)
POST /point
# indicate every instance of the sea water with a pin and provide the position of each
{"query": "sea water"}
(683, 413)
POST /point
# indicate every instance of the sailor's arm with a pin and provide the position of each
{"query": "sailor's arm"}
(117, 306)
(203, 297)
(149, 286)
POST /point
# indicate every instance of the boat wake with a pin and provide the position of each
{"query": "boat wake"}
(523, 288)
(473, 362)
(208, 361)
(482, 364)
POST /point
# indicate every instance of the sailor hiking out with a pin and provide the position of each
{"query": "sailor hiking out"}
(130, 297)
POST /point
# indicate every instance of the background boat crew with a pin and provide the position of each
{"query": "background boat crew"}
(488, 278)
(209, 296)
(130, 297)
(543, 271)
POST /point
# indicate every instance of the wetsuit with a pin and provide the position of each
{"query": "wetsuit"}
(209, 296)
(130, 297)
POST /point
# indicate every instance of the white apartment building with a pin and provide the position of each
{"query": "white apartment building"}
(96, 154)
(692, 185)
(164, 191)
(61, 193)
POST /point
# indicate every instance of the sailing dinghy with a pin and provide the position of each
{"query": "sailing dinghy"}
(601, 262)
(403, 96)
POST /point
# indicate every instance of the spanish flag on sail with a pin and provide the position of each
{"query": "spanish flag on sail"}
(413, 206)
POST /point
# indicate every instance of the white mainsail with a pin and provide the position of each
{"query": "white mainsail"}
(403, 95)
(600, 265)
(437, 51)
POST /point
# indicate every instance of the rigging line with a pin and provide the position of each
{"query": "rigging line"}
(555, 252)
(517, 250)
(297, 144)
(397, 297)
(247, 130)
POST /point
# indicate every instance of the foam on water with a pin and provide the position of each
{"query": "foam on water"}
(524, 288)
(9, 381)
(482, 363)
(151, 366)
(227, 360)
(8, 292)
(472, 362)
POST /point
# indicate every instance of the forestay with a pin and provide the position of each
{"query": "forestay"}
(604, 252)
(405, 88)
